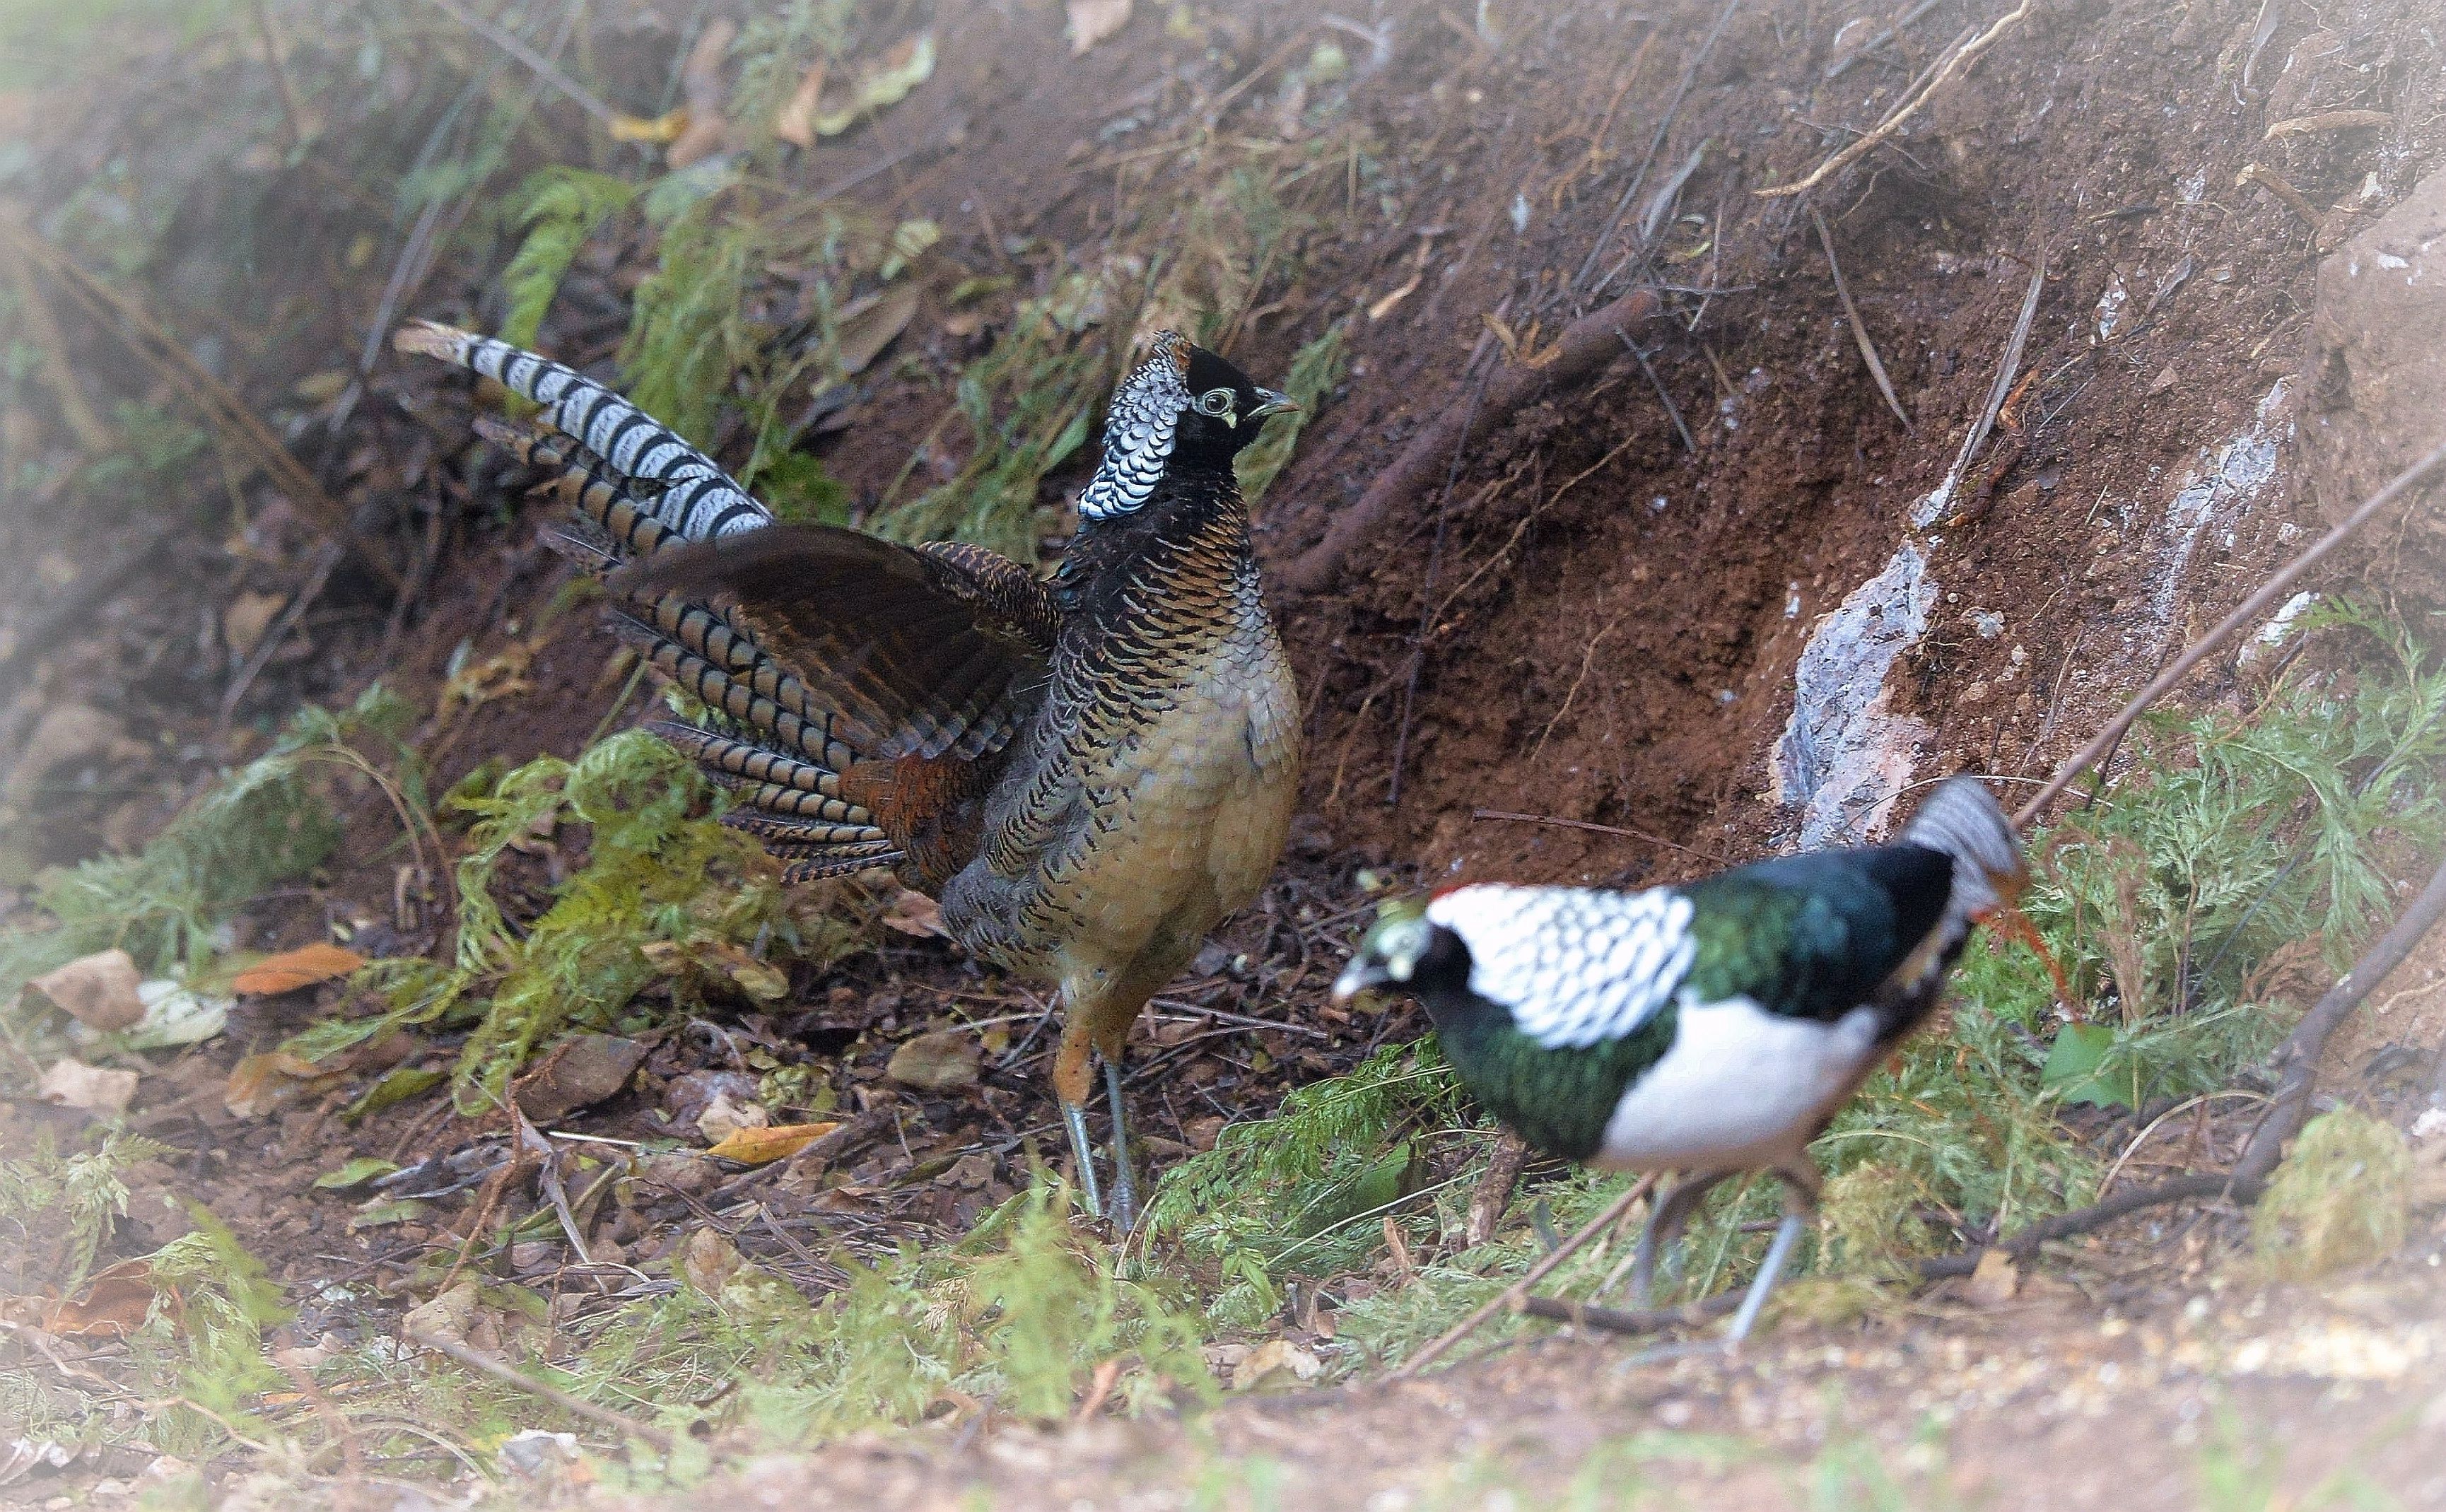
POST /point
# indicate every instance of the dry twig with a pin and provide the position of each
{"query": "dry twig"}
(1586, 345)
(1859, 328)
(1513, 1295)
(220, 408)
(475, 1359)
(2250, 610)
(1886, 128)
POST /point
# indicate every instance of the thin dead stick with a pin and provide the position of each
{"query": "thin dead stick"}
(289, 111)
(2296, 1065)
(1886, 128)
(2250, 610)
(1859, 328)
(1671, 411)
(2296, 1061)
(220, 406)
(536, 63)
(503, 1371)
(1587, 345)
(92, 436)
(1511, 1296)
(1616, 1320)
(1655, 144)
(1509, 816)
(317, 578)
(1998, 391)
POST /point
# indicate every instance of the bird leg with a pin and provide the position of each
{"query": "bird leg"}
(1665, 1226)
(1075, 1118)
(1800, 1184)
(1072, 1079)
(1125, 1191)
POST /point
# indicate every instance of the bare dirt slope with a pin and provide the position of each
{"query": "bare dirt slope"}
(1715, 598)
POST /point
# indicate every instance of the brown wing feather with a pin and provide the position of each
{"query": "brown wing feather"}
(935, 652)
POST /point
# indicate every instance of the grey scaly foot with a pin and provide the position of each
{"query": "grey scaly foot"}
(1075, 1118)
(1125, 1186)
(1786, 1235)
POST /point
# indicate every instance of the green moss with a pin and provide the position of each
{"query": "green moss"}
(2341, 1198)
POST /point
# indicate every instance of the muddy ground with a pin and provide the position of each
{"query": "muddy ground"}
(1583, 654)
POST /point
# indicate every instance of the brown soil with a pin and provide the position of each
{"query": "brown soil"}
(1593, 624)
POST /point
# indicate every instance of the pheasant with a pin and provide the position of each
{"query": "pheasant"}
(1088, 773)
(1711, 1028)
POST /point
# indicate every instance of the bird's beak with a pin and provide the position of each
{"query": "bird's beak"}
(1270, 402)
(1358, 977)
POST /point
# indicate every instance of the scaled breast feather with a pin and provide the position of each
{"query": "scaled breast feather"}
(1577, 968)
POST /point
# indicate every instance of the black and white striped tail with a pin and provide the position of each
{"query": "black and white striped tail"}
(682, 488)
(641, 489)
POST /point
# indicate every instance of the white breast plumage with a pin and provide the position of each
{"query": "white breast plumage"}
(1576, 966)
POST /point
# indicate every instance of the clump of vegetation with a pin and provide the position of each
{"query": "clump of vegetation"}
(661, 868)
(263, 825)
(203, 1342)
(1303, 1193)
(1314, 370)
(2234, 836)
(1020, 1312)
(61, 1209)
(1027, 406)
(556, 209)
(2341, 1198)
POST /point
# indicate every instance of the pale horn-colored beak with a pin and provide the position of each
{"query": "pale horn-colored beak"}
(1270, 402)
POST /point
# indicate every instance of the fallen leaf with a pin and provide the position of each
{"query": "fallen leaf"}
(885, 82)
(661, 130)
(536, 1452)
(445, 1318)
(795, 123)
(935, 1062)
(293, 969)
(383, 1211)
(724, 1117)
(1995, 1279)
(395, 1087)
(757, 1146)
(320, 388)
(354, 1173)
(1275, 1366)
(248, 616)
(113, 1304)
(580, 1070)
(707, 130)
(709, 1261)
(864, 336)
(98, 991)
(910, 240)
(1092, 21)
(176, 1014)
(718, 964)
(913, 913)
(261, 1083)
(87, 1089)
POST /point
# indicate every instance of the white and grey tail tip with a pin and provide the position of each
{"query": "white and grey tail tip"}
(1963, 819)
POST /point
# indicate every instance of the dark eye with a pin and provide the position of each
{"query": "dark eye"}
(1215, 401)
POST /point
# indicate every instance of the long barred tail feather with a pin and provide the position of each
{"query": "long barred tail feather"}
(698, 501)
(635, 489)
(584, 482)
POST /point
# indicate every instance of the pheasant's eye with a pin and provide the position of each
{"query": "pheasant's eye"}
(1215, 402)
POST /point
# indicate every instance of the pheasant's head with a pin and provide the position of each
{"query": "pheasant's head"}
(1183, 406)
(1406, 951)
